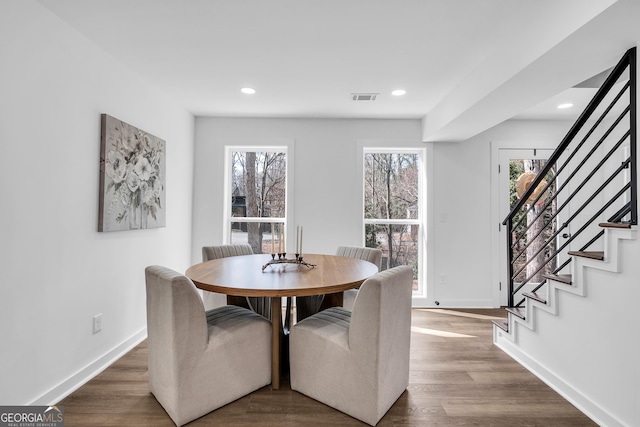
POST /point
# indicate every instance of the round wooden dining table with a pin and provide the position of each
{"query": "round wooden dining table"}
(244, 275)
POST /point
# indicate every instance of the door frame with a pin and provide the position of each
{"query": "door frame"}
(499, 189)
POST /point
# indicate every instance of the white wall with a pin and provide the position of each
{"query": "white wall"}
(465, 219)
(57, 271)
(327, 177)
(327, 200)
(584, 343)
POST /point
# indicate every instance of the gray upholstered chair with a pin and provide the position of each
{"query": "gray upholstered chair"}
(357, 361)
(306, 306)
(260, 305)
(368, 254)
(200, 361)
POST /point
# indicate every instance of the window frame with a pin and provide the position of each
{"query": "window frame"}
(280, 146)
(420, 294)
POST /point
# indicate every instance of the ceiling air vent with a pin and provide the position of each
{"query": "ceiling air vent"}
(364, 96)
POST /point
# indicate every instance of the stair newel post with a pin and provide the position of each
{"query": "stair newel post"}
(633, 89)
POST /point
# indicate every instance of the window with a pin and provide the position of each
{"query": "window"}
(256, 211)
(393, 207)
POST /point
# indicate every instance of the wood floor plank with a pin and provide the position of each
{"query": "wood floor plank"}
(457, 378)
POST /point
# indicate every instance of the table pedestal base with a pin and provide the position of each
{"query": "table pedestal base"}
(280, 333)
(276, 345)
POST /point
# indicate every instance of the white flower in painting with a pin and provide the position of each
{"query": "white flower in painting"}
(116, 166)
(147, 193)
(138, 143)
(133, 182)
(125, 195)
(143, 168)
(134, 165)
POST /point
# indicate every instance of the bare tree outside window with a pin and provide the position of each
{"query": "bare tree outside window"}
(533, 257)
(258, 191)
(392, 208)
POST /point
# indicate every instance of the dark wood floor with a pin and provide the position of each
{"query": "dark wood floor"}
(458, 378)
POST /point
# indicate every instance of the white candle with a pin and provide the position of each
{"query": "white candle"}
(300, 240)
(297, 239)
(272, 237)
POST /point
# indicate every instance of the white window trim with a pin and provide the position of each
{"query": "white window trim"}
(419, 296)
(280, 146)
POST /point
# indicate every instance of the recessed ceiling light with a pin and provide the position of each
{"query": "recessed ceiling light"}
(398, 92)
(248, 90)
(563, 106)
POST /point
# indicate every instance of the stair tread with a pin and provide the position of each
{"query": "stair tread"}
(502, 324)
(599, 255)
(517, 311)
(536, 296)
(562, 278)
(615, 225)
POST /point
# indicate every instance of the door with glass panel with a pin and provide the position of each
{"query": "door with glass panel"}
(533, 240)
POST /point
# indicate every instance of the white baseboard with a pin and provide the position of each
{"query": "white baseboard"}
(462, 303)
(77, 380)
(578, 399)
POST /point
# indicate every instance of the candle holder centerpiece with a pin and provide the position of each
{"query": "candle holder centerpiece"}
(282, 259)
(282, 252)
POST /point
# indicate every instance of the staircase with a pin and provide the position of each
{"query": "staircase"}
(589, 179)
(580, 334)
(546, 301)
(570, 315)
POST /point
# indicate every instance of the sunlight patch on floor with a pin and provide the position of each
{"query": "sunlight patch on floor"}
(438, 333)
(462, 313)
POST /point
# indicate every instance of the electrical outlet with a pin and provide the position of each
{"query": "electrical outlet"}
(443, 278)
(97, 323)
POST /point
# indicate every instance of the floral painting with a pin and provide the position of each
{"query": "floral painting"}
(132, 177)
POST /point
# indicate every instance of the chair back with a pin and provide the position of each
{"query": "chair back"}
(368, 254)
(260, 305)
(306, 306)
(200, 361)
(176, 322)
(224, 251)
(381, 316)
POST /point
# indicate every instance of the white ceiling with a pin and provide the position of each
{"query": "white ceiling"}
(465, 64)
